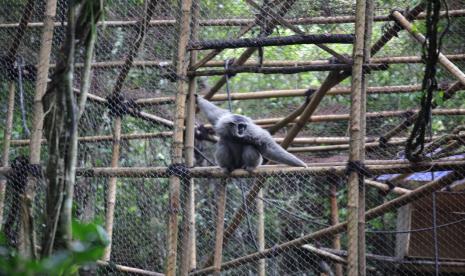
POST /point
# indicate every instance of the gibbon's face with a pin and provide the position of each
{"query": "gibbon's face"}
(238, 126)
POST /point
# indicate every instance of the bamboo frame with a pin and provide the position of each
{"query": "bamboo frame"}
(270, 41)
(342, 117)
(283, 70)
(189, 250)
(128, 269)
(355, 193)
(38, 112)
(111, 192)
(6, 145)
(341, 227)
(386, 188)
(266, 63)
(178, 139)
(339, 270)
(325, 254)
(220, 209)
(239, 21)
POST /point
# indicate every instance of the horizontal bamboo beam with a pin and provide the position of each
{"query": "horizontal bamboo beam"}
(376, 60)
(375, 166)
(128, 269)
(271, 41)
(282, 70)
(381, 114)
(294, 93)
(161, 64)
(168, 134)
(104, 138)
(238, 21)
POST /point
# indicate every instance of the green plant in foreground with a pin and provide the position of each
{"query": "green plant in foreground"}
(89, 242)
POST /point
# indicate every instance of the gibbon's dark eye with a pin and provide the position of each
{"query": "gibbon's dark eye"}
(241, 128)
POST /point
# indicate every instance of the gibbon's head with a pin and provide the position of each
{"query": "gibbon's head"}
(232, 126)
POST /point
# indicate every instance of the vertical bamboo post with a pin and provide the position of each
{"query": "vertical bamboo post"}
(335, 220)
(355, 244)
(111, 193)
(6, 144)
(220, 209)
(261, 232)
(38, 111)
(189, 258)
(177, 146)
(369, 8)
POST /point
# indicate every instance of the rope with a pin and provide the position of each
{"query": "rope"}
(431, 48)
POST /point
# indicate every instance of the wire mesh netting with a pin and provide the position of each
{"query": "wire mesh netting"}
(266, 60)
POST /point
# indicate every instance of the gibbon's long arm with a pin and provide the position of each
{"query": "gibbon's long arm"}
(213, 112)
(269, 148)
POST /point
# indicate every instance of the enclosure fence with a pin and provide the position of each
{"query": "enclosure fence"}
(337, 83)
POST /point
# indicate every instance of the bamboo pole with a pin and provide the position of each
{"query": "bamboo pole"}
(220, 209)
(443, 60)
(386, 188)
(340, 141)
(239, 21)
(178, 141)
(341, 227)
(128, 269)
(325, 254)
(6, 144)
(355, 235)
(342, 117)
(339, 271)
(161, 64)
(111, 193)
(295, 93)
(261, 231)
(189, 250)
(338, 168)
(38, 112)
(271, 41)
(283, 70)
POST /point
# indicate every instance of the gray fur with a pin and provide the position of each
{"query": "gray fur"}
(243, 143)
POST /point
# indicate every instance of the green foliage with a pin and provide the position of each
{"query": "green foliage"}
(88, 246)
